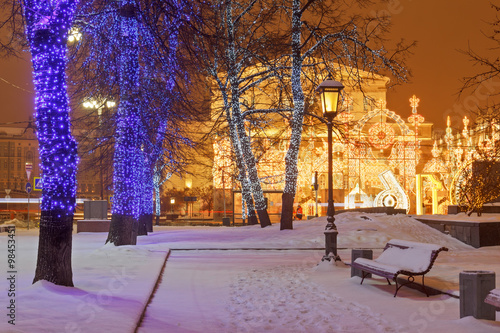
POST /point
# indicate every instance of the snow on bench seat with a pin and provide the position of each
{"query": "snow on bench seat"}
(493, 298)
(401, 257)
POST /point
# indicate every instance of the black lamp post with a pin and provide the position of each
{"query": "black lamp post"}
(329, 91)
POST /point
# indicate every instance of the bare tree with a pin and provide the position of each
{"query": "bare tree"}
(323, 38)
(229, 45)
(478, 181)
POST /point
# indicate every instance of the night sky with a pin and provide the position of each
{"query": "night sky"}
(441, 28)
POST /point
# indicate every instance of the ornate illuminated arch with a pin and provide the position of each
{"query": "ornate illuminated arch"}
(390, 114)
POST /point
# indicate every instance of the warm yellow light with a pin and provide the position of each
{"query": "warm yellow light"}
(329, 100)
(329, 91)
(189, 183)
(172, 200)
(74, 35)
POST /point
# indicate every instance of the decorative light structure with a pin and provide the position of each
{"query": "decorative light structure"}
(329, 91)
(47, 27)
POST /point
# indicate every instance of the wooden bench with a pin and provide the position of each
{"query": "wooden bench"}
(493, 298)
(401, 257)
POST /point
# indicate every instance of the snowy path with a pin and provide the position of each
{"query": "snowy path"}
(250, 291)
(288, 302)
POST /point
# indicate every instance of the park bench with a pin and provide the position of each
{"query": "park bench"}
(493, 298)
(401, 257)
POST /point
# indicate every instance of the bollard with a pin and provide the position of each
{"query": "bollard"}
(474, 287)
(360, 253)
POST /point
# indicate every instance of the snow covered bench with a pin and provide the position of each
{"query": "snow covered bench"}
(493, 298)
(401, 257)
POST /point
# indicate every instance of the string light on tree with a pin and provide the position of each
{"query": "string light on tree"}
(47, 27)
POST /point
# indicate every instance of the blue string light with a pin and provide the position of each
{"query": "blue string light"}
(47, 27)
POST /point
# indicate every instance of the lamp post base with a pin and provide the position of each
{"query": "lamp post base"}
(331, 246)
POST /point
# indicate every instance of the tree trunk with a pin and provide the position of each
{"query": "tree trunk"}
(238, 123)
(286, 211)
(291, 159)
(143, 227)
(47, 30)
(122, 230)
(246, 192)
(54, 249)
(128, 157)
(149, 223)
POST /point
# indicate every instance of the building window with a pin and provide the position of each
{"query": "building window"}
(368, 103)
(19, 164)
(19, 154)
(29, 156)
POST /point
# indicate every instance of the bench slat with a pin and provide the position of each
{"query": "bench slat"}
(493, 298)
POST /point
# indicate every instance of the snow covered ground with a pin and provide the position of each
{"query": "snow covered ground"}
(244, 279)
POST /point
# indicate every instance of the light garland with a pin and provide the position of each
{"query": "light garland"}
(48, 24)
(128, 158)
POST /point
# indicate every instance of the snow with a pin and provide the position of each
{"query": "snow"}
(462, 217)
(243, 279)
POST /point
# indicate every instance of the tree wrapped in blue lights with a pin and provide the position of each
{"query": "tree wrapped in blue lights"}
(129, 49)
(47, 27)
(129, 158)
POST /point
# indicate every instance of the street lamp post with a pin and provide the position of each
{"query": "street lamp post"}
(172, 202)
(100, 106)
(329, 91)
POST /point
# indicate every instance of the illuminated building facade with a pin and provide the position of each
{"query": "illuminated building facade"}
(18, 146)
(377, 153)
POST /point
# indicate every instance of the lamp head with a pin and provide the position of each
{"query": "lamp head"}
(329, 91)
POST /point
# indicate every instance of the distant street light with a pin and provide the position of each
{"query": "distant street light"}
(329, 91)
(99, 106)
(172, 202)
(74, 35)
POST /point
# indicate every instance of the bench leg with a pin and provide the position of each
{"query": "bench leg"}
(399, 286)
(388, 282)
(364, 275)
(423, 287)
(410, 279)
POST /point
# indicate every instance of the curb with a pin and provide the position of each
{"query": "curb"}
(153, 291)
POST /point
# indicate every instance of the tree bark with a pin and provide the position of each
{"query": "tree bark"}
(287, 211)
(54, 249)
(123, 230)
(143, 225)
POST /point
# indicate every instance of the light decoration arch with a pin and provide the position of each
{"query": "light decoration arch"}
(405, 130)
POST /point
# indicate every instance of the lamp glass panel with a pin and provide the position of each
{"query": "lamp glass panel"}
(331, 98)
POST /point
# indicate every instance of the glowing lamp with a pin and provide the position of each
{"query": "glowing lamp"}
(329, 91)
